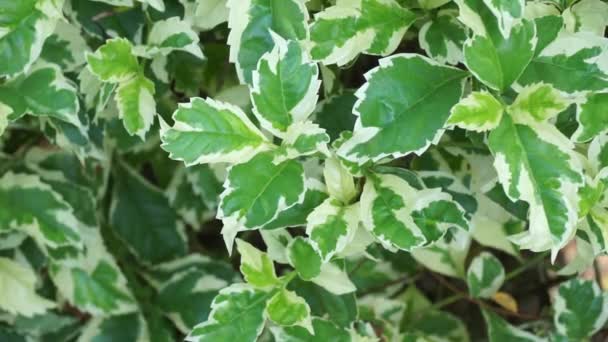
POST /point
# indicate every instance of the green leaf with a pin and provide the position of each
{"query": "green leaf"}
(142, 218)
(304, 258)
(400, 111)
(286, 308)
(485, 275)
(331, 227)
(401, 217)
(478, 112)
(237, 314)
(581, 309)
(25, 25)
(42, 92)
(136, 105)
(538, 102)
(18, 290)
(323, 331)
(500, 330)
(340, 183)
(208, 131)
(592, 117)
(258, 190)
(256, 266)
(536, 164)
(29, 205)
(341, 32)
(251, 24)
(285, 86)
(443, 37)
(114, 61)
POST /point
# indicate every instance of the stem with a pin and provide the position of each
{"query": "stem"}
(526, 265)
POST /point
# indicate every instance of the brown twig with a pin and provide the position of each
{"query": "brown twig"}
(480, 303)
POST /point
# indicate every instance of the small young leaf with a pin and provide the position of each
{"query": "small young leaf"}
(256, 266)
(485, 275)
(304, 258)
(478, 112)
(286, 308)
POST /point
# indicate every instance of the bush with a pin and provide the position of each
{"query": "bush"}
(349, 170)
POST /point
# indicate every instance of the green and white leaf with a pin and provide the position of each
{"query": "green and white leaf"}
(286, 308)
(18, 290)
(93, 282)
(587, 15)
(66, 47)
(24, 28)
(209, 131)
(537, 164)
(339, 33)
(443, 37)
(400, 113)
(324, 330)
(205, 14)
(581, 308)
(485, 275)
(572, 63)
(304, 139)
(257, 191)
(446, 256)
(41, 213)
(331, 227)
(502, 44)
(538, 102)
(478, 112)
(43, 92)
(237, 314)
(401, 217)
(340, 183)
(491, 226)
(251, 23)
(166, 36)
(500, 330)
(592, 117)
(285, 86)
(334, 279)
(189, 286)
(136, 105)
(131, 327)
(114, 61)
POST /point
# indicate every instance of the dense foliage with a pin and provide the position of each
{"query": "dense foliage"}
(292, 170)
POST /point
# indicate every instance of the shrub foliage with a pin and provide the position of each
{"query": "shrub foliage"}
(292, 170)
